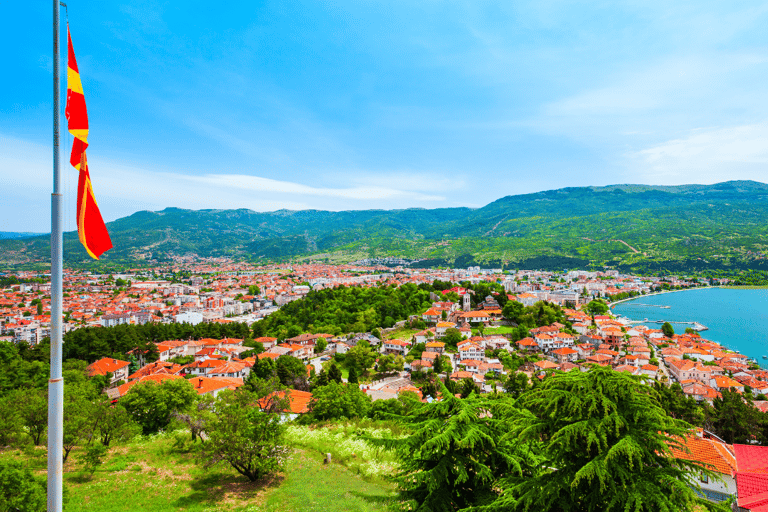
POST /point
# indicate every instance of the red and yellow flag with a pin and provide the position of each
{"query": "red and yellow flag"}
(90, 225)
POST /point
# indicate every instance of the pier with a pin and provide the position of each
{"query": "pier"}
(696, 325)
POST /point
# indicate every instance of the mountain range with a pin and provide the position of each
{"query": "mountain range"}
(631, 227)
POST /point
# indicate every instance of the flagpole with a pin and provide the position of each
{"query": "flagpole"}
(56, 382)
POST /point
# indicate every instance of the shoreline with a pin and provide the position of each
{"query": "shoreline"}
(611, 304)
(725, 345)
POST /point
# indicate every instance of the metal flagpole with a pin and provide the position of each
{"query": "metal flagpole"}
(56, 382)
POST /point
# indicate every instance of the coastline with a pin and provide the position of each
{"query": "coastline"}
(727, 345)
(611, 304)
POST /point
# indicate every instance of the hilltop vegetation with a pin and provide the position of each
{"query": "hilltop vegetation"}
(630, 227)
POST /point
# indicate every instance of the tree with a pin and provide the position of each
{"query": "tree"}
(733, 417)
(361, 356)
(667, 329)
(77, 420)
(516, 384)
(597, 307)
(112, 423)
(390, 363)
(678, 404)
(151, 404)
(32, 405)
(352, 378)
(513, 310)
(320, 346)
(334, 374)
(20, 490)
(454, 451)
(93, 457)
(606, 446)
(292, 372)
(338, 401)
(243, 436)
(452, 337)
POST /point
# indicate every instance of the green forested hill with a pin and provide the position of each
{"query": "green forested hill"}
(639, 227)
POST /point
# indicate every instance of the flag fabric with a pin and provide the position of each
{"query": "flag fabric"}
(90, 225)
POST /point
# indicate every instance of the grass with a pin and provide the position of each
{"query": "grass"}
(344, 442)
(154, 474)
(403, 333)
(502, 329)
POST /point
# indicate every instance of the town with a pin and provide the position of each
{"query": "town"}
(472, 343)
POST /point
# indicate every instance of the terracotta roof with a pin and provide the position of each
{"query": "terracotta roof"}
(104, 365)
(708, 451)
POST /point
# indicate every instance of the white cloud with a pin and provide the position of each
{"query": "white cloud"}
(707, 156)
(26, 176)
(258, 184)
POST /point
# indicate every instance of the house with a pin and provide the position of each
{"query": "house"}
(156, 378)
(424, 336)
(421, 365)
(472, 317)
(565, 354)
(118, 369)
(717, 455)
(527, 344)
(296, 402)
(435, 346)
(469, 350)
(544, 365)
(397, 347)
(214, 386)
(441, 327)
(721, 382)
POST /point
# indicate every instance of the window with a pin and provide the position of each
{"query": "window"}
(704, 479)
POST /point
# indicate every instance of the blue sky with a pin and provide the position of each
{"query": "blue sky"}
(383, 104)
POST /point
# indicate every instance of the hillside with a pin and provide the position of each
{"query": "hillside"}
(637, 227)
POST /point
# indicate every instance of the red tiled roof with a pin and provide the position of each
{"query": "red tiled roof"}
(104, 365)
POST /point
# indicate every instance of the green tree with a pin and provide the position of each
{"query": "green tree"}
(151, 404)
(516, 384)
(678, 404)
(243, 436)
(606, 444)
(336, 401)
(597, 307)
(352, 378)
(292, 372)
(20, 489)
(390, 363)
(454, 452)
(513, 310)
(93, 457)
(452, 337)
(733, 417)
(112, 423)
(32, 405)
(334, 374)
(667, 329)
(321, 345)
(361, 357)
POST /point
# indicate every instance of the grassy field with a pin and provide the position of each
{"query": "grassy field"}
(502, 329)
(153, 473)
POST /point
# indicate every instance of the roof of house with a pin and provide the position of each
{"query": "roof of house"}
(105, 365)
(708, 451)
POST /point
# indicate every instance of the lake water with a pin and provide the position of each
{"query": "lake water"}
(737, 319)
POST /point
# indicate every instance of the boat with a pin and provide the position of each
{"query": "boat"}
(765, 357)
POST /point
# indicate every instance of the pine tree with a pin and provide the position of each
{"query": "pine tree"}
(334, 374)
(606, 447)
(352, 378)
(455, 452)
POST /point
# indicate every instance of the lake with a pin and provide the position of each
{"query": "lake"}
(736, 318)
